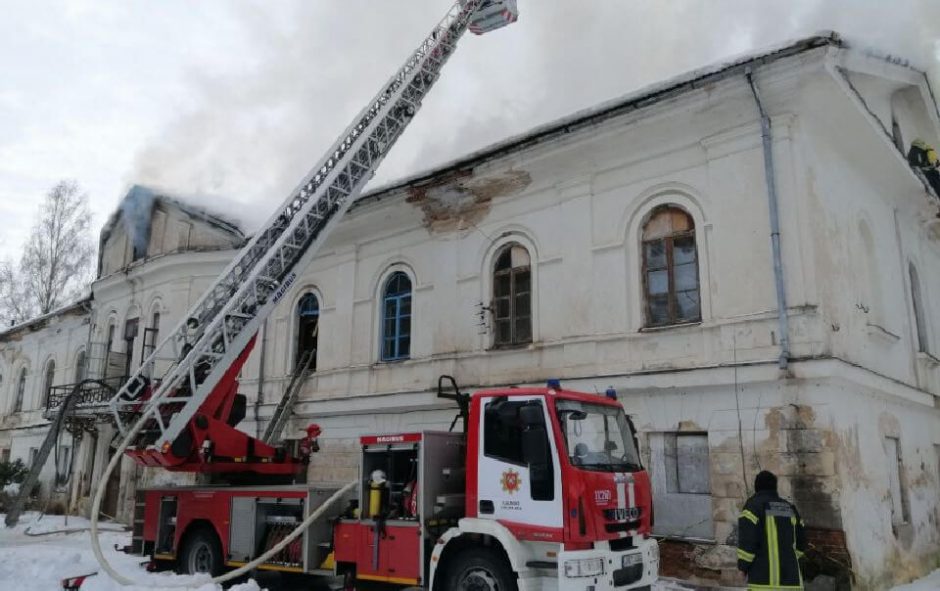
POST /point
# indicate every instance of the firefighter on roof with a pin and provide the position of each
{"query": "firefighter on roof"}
(923, 157)
(771, 539)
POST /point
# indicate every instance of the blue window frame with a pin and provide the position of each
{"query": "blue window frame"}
(396, 318)
(308, 306)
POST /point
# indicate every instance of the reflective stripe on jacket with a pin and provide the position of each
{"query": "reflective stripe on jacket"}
(770, 542)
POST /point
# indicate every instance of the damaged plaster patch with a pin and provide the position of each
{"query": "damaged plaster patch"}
(460, 200)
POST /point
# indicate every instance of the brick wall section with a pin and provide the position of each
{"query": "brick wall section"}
(828, 555)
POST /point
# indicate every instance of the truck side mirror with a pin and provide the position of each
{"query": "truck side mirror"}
(531, 415)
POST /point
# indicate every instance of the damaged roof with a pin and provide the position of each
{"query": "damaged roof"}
(136, 210)
(153, 195)
(633, 101)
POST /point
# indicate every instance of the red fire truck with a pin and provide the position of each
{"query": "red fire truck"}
(544, 490)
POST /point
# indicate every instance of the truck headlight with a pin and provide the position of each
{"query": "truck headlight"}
(632, 560)
(585, 567)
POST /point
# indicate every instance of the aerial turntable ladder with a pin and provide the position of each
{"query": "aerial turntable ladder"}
(188, 406)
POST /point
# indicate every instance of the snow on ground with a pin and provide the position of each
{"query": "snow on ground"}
(929, 583)
(31, 562)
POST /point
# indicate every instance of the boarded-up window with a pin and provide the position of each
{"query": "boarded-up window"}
(900, 511)
(20, 391)
(157, 231)
(686, 463)
(670, 268)
(512, 296)
(678, 469)
(184, 232)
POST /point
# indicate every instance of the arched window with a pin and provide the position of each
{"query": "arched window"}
(80, 369)
(308, 329)
(48, 381)
(151, 340)
(918, 302)
(152, 334)
(110, 334)
(396, 317)
(670, 268)
(512, 295)
(20, 391)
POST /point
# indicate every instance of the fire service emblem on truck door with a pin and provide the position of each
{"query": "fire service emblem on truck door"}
(510, 481)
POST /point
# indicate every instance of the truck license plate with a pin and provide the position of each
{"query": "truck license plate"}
(623, 514)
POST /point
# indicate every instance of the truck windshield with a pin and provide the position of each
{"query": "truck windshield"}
(597, 436)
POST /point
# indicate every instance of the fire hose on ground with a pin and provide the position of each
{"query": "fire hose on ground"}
(123, 580)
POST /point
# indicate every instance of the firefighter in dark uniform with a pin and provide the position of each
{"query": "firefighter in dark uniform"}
(771, 539)
(924, 158)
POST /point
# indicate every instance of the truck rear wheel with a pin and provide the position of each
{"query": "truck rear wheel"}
(202, 553)
(479, 569)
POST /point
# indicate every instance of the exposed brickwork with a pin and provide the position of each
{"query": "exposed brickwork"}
(704, 565)
(828, 555)
(676, 560)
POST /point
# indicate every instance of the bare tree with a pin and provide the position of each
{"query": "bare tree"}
(57, 258)
(15, 303)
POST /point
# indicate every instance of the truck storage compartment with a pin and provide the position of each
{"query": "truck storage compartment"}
(260, 523)
(166, 528)
(399, 464)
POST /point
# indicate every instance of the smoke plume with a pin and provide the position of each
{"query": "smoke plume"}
(252, 131)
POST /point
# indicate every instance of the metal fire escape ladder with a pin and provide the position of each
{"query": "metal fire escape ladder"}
(272, 434)
(222, 323)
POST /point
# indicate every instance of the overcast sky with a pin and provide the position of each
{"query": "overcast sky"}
(238, 98)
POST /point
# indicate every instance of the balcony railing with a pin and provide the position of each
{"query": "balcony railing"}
(92, 399)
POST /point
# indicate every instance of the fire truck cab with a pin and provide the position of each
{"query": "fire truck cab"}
(544, 491)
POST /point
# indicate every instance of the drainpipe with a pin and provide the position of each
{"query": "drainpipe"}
(770, 177)
(259, 398)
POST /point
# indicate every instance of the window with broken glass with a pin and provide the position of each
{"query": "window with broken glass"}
(396, 318)
(897, 486)
(670, 268)
(512, 296)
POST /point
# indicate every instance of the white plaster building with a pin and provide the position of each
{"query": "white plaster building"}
(35, 356)
(156, 256)
(630, 246)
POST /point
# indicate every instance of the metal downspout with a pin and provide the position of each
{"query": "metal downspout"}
(259, 398)
(770, 177)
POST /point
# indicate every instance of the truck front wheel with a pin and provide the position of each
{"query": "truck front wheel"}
(479, 569)
(202, 553)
